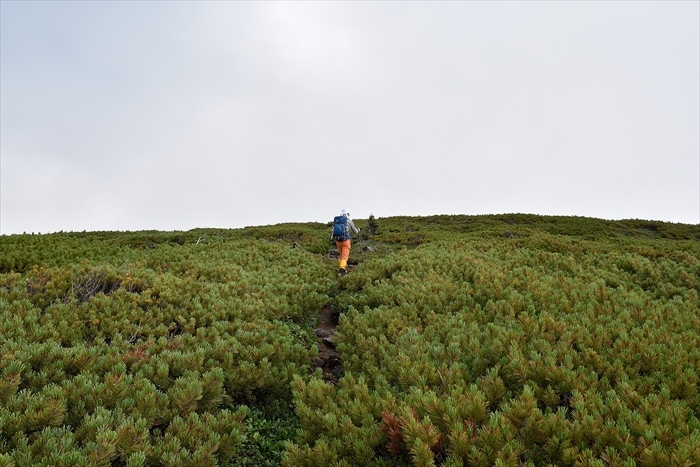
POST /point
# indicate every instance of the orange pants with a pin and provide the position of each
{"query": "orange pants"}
(344, 250)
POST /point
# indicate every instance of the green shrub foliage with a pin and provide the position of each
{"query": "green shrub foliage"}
(465, 341)
(514, 346)
(149, 349)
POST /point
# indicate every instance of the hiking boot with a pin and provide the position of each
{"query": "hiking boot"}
(342, 271)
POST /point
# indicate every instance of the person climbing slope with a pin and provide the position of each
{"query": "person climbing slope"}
(341, 234)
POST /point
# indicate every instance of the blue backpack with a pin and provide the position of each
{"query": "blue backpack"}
(340, 228)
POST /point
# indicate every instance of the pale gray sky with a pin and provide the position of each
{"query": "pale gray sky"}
(176, 115)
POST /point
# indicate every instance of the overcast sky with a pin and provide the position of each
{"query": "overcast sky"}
(176, 115)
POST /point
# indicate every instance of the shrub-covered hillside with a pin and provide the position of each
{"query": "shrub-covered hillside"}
(465, 341)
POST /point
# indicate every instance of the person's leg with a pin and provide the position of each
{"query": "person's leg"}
(344, 251)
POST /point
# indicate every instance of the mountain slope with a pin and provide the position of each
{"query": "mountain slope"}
(465, 340)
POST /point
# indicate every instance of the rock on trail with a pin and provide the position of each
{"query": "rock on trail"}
(328, 359)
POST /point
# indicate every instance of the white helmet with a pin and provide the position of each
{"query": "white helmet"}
(345, 213)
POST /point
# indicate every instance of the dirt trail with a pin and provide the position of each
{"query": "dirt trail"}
(328, 359)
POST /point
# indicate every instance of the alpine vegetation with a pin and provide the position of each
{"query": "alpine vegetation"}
(511, 340)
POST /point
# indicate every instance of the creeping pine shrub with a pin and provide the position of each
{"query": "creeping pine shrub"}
(151, 352)
(527, 350)
(465, 340)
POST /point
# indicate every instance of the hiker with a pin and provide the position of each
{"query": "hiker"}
(341, 235)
